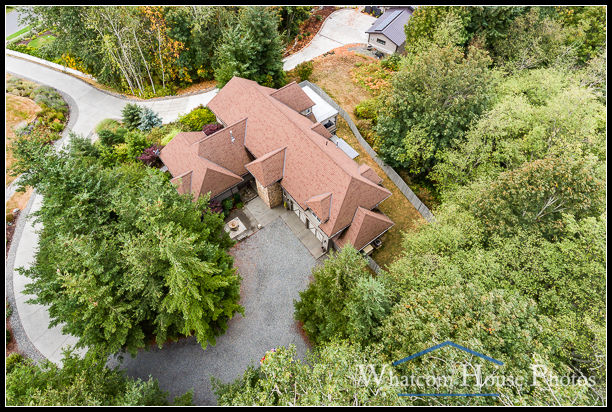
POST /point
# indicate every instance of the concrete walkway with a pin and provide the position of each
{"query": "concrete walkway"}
(342, 27)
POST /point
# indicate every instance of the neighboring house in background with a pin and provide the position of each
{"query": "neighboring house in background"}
(274, 137)
(387, 33)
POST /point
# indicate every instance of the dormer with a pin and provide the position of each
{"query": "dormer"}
(293, 96)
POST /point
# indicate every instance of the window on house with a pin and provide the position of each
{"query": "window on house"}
(381, 41)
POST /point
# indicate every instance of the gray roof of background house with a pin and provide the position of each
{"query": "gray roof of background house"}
(392, 23)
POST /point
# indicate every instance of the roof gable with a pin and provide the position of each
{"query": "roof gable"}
(321, 205)
(293, 96)
(269, 168)
(367, 172)
(217, 180)
(183, 182)
(226, 148)
(367, 226)
(322, 130)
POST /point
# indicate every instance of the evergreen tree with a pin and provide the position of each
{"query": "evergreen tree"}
(149, 119)
(123, 257)
(131, 115)
(253, 49)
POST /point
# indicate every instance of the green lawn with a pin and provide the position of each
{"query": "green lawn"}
(39, 41)
(18, 33)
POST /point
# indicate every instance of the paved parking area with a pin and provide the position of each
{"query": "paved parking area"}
(259, 212)
(274, 266)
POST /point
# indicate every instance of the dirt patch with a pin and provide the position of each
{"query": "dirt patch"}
(19, 110)
(312, 25)
(332, 72)
(198, 87)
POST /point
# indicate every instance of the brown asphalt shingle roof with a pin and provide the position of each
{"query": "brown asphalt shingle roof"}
(313, 165)
(367, 172)
(322, 130)
(268, 168)
(367, 226)
(214, 163)
(320, 205)
(293, 96)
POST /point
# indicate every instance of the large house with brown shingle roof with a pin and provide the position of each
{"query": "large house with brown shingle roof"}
(271, 136)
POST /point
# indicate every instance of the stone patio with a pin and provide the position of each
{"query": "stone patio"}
(260, 213)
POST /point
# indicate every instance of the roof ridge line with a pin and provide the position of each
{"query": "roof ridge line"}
(219, 131)
(278, 90)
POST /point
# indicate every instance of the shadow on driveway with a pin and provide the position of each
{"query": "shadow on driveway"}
(274, 266)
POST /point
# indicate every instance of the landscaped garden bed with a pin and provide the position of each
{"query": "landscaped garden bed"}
(32, 112)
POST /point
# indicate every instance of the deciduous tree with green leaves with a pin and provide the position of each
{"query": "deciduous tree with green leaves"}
(431, 103)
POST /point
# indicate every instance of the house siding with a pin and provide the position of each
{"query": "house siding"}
(388, 48)
(307, 217)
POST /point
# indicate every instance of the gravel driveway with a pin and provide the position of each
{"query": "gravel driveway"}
(274, 266)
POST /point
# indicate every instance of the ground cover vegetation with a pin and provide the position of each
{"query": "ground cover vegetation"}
(514, 265)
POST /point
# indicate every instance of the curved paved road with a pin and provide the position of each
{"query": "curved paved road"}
(88, 107)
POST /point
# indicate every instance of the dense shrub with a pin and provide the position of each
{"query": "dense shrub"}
(150, 155)
(391, 62)
(197, 118)
(22, 48)
(82, 147)
(107, 124)
(169, 136)
(111, 138)
(136, 142)
(367, 109)
(304, 70)
(212, 128)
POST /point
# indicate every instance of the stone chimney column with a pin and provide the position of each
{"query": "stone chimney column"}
(271, 195)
